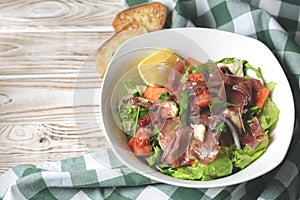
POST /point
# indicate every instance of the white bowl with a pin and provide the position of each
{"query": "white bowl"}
(200, 43)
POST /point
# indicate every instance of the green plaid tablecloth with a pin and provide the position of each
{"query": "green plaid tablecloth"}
(275, 23)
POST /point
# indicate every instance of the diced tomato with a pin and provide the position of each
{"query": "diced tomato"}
(140, 146)
(196, 77)
(153, 93)
(140, 143)
(202, 98)
(192, 161)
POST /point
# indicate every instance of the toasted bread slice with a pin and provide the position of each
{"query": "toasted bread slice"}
(107, 49)
(132, 25)
(151, 15)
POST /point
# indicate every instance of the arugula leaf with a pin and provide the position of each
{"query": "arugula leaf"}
(221, 127)
(164, 96)
(183, 106)
(257, 71)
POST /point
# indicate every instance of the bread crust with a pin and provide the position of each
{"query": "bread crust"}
(127, 24)
(151, 15)
(108, 48)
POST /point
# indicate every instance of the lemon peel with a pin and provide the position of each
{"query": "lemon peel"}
(155, 68)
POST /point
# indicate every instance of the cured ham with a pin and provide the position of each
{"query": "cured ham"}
(253, 134)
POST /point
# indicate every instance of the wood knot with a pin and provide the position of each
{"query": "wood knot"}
(4, 99)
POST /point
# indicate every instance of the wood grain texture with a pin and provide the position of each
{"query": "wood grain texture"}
(57, 15)
(36, 53)
(49, 86)
(48, 118)
(41, 143)
(40, 100)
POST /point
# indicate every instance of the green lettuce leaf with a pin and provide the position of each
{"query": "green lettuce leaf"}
(268, 115)
(221, 166)
(129, 116)
(267, 118)
(155, 157)
(241, 158)
(271, 86)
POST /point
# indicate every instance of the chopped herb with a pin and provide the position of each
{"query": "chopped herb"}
(221, 127)
(164, 96)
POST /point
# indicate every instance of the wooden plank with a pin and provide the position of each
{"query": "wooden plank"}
(41, 143)
(40, 100)
(45, 119)
(49, 86)
(48, 117)
(36, 53)
(56, 15)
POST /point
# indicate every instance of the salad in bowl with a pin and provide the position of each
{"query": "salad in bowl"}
(196, 120)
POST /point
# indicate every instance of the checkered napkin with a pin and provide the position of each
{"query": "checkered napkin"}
(275, 23)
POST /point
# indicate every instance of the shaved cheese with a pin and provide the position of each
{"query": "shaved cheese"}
(199, 131)
(235, 67)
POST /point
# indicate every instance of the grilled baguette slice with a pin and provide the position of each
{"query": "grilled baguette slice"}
(107, 49)
(150, 15)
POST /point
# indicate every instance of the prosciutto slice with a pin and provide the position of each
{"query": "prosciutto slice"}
(175, 141)
(242, 91)
(205, 151)
(253, 135)
(175, 75)
(179, 145)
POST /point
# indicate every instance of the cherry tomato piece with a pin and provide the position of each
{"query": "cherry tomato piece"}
(203, 98)
(196, 77)
(140, 146)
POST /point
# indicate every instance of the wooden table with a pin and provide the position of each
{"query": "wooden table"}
(46, 73)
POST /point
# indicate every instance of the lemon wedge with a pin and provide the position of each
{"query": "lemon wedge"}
(155, 68)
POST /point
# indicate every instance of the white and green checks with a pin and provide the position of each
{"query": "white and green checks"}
(273, 22)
